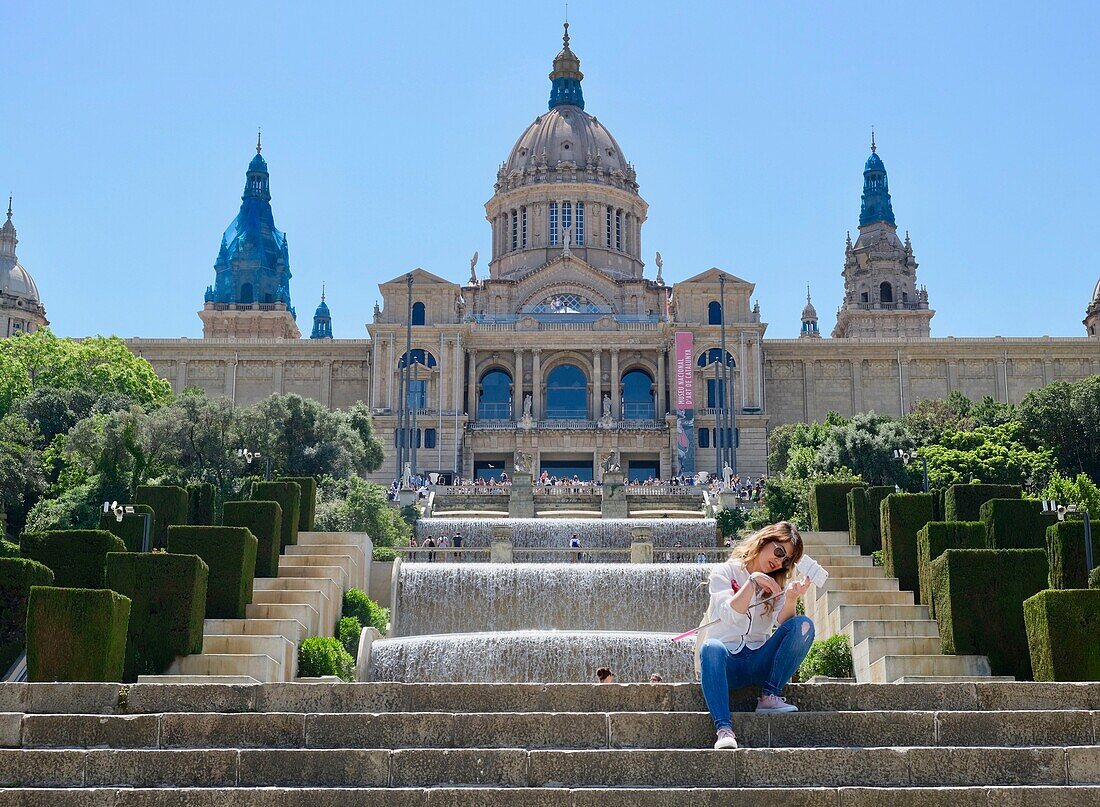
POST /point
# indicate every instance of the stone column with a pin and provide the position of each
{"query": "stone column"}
(278, 371)
(458, 375)
(326, 383)
(857, 385)
(1048, 371)
(471, 383)
(659, 408)
(905, 395)
(952, 376)
(390, 374)
(231, 380)
(181, 375)
(536, 384)
(373, 401)
(1000, 375)
(517, 386)
(807, 389)
(615, 413)
(597, 385)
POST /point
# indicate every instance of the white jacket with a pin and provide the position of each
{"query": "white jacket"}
(736, 630)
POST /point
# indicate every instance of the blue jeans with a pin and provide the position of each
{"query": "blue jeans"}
(771, 666)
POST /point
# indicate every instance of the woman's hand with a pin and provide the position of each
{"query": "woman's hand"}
(796, 589)
(766, 583)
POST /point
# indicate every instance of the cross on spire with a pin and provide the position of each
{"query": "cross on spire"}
(259, 148)
(872, 139)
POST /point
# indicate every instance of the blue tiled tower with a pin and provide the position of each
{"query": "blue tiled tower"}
(253, 265)
(876, 191)
(322, 320)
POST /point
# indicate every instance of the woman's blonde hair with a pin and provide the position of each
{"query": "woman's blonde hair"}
(782, 532)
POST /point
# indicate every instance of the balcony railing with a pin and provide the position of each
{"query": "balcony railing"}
(571, 424)
(664, 490)
(494, 411)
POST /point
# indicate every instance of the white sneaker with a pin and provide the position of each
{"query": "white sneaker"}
(725, 740)
(768, 704)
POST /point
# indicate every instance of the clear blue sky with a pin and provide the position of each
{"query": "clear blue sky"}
(128, 133)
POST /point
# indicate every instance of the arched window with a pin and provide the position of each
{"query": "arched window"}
(567, 221)
(566, 393)
(713, 356)
(553, 224)
(246, 293)
(495, 399)
(619, 230)
(515, 230)
(885, 293)
(523, 227)
(418, 357)
(418, 313)
(607, 229)
(579, 240)
(714, 313)
(638, 396)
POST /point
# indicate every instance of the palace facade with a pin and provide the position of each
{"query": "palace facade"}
(565, 348)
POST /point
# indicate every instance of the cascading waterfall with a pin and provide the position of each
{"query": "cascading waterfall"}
(554, 533)
(531, 657)
(468, 598)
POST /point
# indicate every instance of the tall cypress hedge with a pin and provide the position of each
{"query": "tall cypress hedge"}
(200, 504)
(1015, 523)
(1063, 634)
(132, 527)
(167, 606)
(289, 497)
(902, 515)
(935, 538)
(17, 575)
(308, 507)
(828, 505)
(979, 595)
(78, 558)
(265, 521)
(864, 517)
(230, 554)
(169, 505)
(1066, 553)
(962, 502)
(76, 634)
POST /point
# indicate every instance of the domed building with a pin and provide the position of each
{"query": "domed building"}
(1092, 313)
(21, 309)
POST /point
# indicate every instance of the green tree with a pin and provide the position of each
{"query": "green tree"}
(989, 454)
(931, 420)
(355, 505)
(359, 417)
(21, 479)
(865, 446)
(1065, 417)
(1081, 491)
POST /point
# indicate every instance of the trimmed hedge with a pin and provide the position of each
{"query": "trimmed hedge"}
(8, 549)
(132, 527)
(289, 497)
(1015, 523)
(78, 558)
(76, 634)
(1066, 553)
(1063, 635)
(367, 611)
(324, 655)
(962, 502)
(169, 505)
(308, 507)
(265, 521)
(829, 505)
(200, 504)
(864, 514)
(230, 554)
(17, 575)
(902, 515)
(167, 606)
(935, 538)
(979, 596)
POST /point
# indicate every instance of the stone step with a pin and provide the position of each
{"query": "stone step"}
(874, 648)
(836, 619)
(824, 539)
(333, 591)
(862, 629)
(851, 560)
(888, 669)
(358, 561)
(314, 598)
(858, 583)
(953, 679)
(548, 730)
(337, 567)
(864, 570)
(261, 667)
(218, 796)
(176, 680)
(833, 551)
(290, 629)
(519, 768)
(277, 647)
(304, 614)
(831, 600)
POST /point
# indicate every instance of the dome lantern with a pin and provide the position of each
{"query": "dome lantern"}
(565, 78)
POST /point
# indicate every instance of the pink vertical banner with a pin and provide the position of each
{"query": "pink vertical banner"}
(685, 380)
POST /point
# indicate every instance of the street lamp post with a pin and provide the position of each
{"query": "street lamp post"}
(1051, 506)
(908, 456)
(248, 456)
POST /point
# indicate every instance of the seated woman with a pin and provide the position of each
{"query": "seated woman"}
(741, 648)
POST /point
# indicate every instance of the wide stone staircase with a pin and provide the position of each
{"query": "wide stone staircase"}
(580, 745)
(304, 600)
(892, 638)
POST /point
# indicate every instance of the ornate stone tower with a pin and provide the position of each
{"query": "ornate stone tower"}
(322, 319)
(21, 309)
(809, 319)
(566, 186)
(1092, 313)
(881, 296)
(250, 298)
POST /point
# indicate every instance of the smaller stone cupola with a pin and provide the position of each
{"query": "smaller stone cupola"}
(1092, 313)
(21, 309)
(809, 319)
(322, 319)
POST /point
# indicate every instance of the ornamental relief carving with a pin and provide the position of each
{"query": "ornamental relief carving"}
(164, 369)
(255, 370)
(1025, 367)
(205, 370)
(927, 368)
(349, 369)
(838, 369)
(880, 369)
(975, 368)
(303, 370)
(784, 369)
(1072, 368)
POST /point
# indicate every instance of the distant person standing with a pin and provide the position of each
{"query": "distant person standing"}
(456, 542)
(575, 545)
(429, 544)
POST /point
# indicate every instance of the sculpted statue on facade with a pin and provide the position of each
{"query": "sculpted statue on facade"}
(523, 463)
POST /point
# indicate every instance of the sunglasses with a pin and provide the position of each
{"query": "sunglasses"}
(781, 553)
